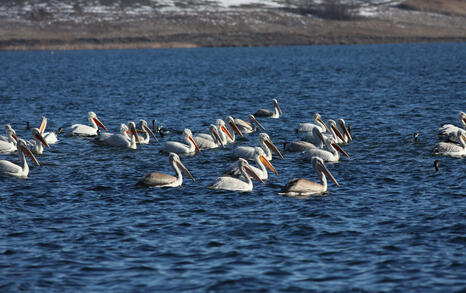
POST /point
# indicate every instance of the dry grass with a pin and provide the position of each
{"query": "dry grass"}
(449, 7)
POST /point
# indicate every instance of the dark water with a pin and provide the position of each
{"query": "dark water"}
(77, 223)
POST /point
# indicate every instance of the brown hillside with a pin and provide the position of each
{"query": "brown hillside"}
(450, 7)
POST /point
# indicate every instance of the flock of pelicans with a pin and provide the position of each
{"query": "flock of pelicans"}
(321, 143)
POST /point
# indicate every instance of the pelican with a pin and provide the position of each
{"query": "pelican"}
(303, 187)
(147, 131)
(306, 127)
(333, 132)
(215, 141)
(300, 146)
(270, 114)
(7, 168)
(180, 148)
(119, 139)
(155, 179)
(223, 133)
(49, 137)
(10, 144)
(85, 130)
(449, 131)
(37, 142)
(248, 152)
(248, 126)
(331, 155)
(260, 160)
(341, 126)
(237, 184)
(232, 128)
(450, 148)
(8, 130)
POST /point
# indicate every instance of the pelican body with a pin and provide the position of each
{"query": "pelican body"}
(248, 126)
(304, 187)
(155, 179)
(261, 171)
(450, 131)
(270, 114)
(452, 149)
(181, 148)
(119, 139)
(300, 146)
(214, 142)
(306, 127)
(8, 168)
(85, 130)
(248, 152)
(237, 184)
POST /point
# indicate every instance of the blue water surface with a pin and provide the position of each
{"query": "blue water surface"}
(78, 224)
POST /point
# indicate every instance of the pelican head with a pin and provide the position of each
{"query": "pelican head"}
(264, 137)
(213, 130)
(188, 136)
(245, 168)
(342, 124)
(331, 143)
(176, 161)
(25, 150)
(233, 125)
(221, 127)
(320, 167)
(36, 134)
(318, 118)
(143, 125)
(275, 104)
(260, 154)
(253, 120)
(132, 129)
(333, 126)
(93, 119)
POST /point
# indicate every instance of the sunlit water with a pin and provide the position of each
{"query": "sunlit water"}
(77, 223)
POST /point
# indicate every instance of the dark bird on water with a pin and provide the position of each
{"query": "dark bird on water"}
(436, 163)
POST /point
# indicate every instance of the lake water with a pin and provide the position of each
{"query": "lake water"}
(77, 223)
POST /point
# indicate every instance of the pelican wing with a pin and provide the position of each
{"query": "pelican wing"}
(157, 179)
(8, 168)
(263, 113)
(302, 186)
(299, 146)
(245, 152)
(448, 148)
(230, 183)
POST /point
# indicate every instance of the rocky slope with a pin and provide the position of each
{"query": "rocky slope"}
(105, 24)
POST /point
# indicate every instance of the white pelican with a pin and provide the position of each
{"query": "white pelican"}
(237, 184)
(223, 132)
(449, 131)
(37, 142)
(333, 132)
(260, 160)
(49, 137)
(147, 132)
(10, 144)
(306, 127)
(232, 128)
(85, 130)
(300, 146)
(248, 126)
(248, 152)
(155, 179)
(118, 139)
(7, 168)
(8, 130)
(215, 141)
(450, 148)
(331, 155)
(180, 148)
(270, 114)
(303, 187)
(341, 126)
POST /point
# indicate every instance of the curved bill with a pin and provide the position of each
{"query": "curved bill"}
(464, 120)
(43, 124)
(135, 134)
(41, 139)
(267, 164)
(338, 133)
(253, 119)
(195, 144)
(235, 128)
(322, 121)
(273, 148)
(146, 128)
(278, 108)
(338, 148)
(217, 137)
(28, 153)
(97, 121)
(227, 132)
(185, 170)
(253, 174)
(345, 130)
(327, 173)
(14, 137)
